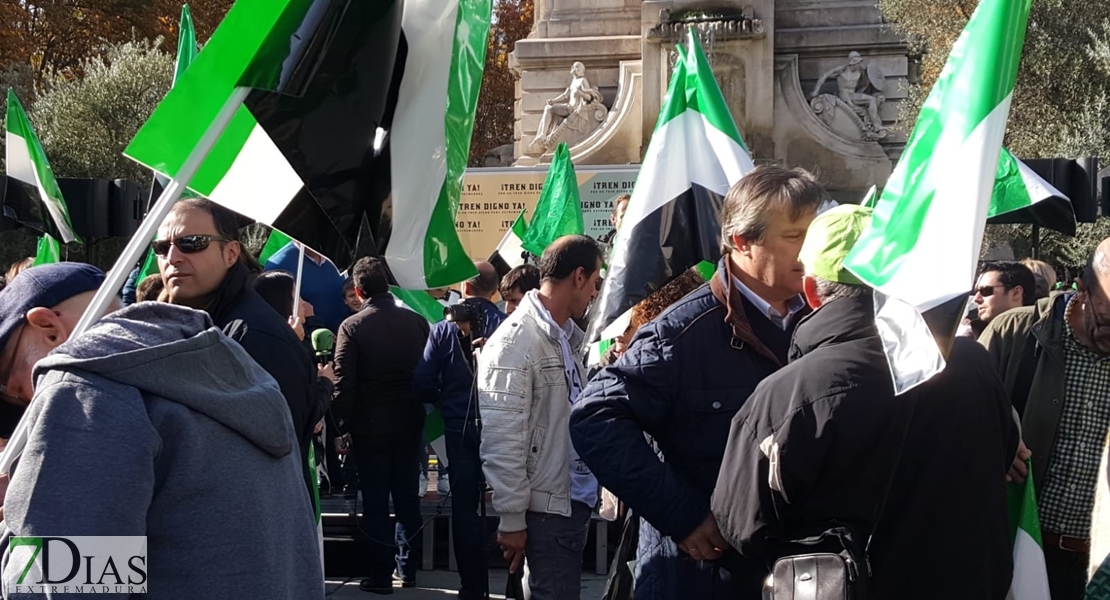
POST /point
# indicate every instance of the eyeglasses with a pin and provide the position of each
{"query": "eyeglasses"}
(187, 244)
(987, 291)
(7, 372)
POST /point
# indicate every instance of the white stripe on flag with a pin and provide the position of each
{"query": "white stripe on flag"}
(1030, 576)
(964, 170)
(1038, 188)
(260, 183)
(21, 168)
(419, 130)
(511, 249)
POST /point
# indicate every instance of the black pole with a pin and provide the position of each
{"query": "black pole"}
(1036, 241)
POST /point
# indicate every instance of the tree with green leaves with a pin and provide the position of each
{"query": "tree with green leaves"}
(1061, 100)
(495, 119)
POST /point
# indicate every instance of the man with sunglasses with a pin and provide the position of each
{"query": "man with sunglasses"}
(1003, 285)
(132, 423)
(204, 267)
(1054, 358)
(529, 374)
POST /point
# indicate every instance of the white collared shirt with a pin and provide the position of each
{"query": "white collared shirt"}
(781, 321)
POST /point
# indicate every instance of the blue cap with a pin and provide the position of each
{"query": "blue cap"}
(46, 286)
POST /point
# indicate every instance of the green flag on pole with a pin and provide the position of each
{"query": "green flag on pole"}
(1030, 573)
(26, 162)
(275, 242)
(49, 251)
(559, 210)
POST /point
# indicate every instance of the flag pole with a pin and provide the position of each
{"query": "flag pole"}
(138, 244)
(297, 285)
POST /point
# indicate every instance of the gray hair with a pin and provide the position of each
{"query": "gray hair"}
(762, 192)
(828, 291)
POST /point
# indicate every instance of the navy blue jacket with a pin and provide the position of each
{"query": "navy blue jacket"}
(444, 375)
(684, 377)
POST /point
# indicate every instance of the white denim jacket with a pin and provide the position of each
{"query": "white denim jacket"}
(523, 396)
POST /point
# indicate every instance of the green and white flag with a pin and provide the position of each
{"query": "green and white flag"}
(26, 162)
(245, 171)
(559, 209)
(696, 154)
(510, 252)
(1017, 186)
(922, 245)
(1030, 574)
(442, 75)
(49, 251)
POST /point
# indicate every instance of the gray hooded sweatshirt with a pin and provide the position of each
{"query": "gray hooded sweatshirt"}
(155, 423)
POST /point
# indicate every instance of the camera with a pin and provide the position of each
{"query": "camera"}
(468, 311)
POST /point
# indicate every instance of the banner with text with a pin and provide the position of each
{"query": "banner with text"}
(492, 199)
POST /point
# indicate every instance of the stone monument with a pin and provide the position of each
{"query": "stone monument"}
(779, 63)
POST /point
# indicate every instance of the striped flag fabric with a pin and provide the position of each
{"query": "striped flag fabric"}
(442, 75)
(1023, 196)
(245, 171)
(921, 248)
(26, 163)
(559, 209)
(1030, 573)
(695, 155)
(510, 251)
(48, 251)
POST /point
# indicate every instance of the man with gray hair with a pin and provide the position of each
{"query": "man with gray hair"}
(686, 374)
(823, 447)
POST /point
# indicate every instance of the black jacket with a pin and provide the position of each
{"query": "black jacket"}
(831, 421)
(376, 355)
(681, 381)
(246, 318)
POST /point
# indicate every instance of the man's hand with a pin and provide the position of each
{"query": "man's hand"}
(478, 343)
(319, 428)
(326, 371)
(297, 323)
(342, 445)
(512, 547)
(705, 542)
(1018, 471)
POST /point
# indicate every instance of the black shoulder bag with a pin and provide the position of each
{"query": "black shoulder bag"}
(829, 565)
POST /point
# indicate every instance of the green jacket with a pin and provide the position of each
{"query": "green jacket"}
(1005, 338)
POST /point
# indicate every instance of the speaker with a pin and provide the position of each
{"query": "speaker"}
(88, 205)
(1078, 179)
(125, 205)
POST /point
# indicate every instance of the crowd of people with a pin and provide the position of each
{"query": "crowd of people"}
(739, 421)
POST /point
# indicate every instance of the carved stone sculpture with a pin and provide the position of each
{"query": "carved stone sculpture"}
(571, 116)
(860, 92)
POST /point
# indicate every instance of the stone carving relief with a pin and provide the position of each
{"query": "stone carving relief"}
(571, 116)
(720, 25)
(854, 109)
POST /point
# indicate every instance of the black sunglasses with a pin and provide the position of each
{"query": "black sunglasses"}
(188, 244)
(987, 291)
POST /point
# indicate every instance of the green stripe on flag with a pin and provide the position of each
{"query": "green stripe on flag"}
(693, 74)
(315, 480)
(420, 302)
(559, 209)
(48, 252)
(976, 82)
(445, 259)
(275, 242)
(186, 43)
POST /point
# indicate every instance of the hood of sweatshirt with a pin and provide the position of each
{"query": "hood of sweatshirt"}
(176, 353)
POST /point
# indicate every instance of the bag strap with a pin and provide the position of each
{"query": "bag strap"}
(889, 484)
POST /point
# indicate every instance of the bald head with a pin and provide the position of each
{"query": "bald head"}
(484, 284)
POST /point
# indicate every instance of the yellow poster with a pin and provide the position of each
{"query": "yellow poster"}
(492, 199)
